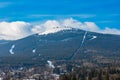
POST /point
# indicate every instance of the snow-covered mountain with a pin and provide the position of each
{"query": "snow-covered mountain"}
(62, 44)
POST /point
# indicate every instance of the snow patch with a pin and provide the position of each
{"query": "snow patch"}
(21, 68)
(39, 54)
(93, 37)
(11, 49)
(50, 64)
(67, 39)
(53, 30)
(34, 50)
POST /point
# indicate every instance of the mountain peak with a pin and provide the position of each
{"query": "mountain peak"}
(54, 30)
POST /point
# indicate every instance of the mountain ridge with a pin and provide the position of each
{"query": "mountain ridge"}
(62, 45)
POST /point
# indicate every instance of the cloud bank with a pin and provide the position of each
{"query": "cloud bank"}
(20, 29)
(14, 30)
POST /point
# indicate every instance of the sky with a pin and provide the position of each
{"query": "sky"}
(104, 14)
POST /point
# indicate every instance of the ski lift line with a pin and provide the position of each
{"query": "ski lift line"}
(83, 40)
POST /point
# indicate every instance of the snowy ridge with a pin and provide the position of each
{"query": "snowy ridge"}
(53, 30)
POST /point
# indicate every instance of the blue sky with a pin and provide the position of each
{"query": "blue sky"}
(105, 13)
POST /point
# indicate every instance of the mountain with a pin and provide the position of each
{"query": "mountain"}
(64, 44)
(4, 41)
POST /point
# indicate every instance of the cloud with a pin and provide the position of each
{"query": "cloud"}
(111, 31)
(89, 26)
(51, 26)
(20, 29)
(37, 29)
(14, 30)
(70, 15)
(83, 15)
(48, 25)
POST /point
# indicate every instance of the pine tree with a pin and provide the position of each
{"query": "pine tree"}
(63, 77)
(89, 76)
(107, 76)
(99, 77)
(73, 77)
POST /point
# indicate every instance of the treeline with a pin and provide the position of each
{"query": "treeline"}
(109, 73)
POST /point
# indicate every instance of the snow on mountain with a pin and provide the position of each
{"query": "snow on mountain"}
(39, 54)
(50, 64)
(53, 30)
(11, 49)
(67, 39)
(93, 37)
(34, 50)
(63, 45)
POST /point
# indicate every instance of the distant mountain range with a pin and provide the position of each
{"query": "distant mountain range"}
(64, 44)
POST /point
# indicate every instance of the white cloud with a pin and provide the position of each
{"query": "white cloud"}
(71, 23)
(51, 26)
(83, 15)
(89, 26)
(37, 29)
(19, 29)
(71, 15)
(14, 30)
(111, 31)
